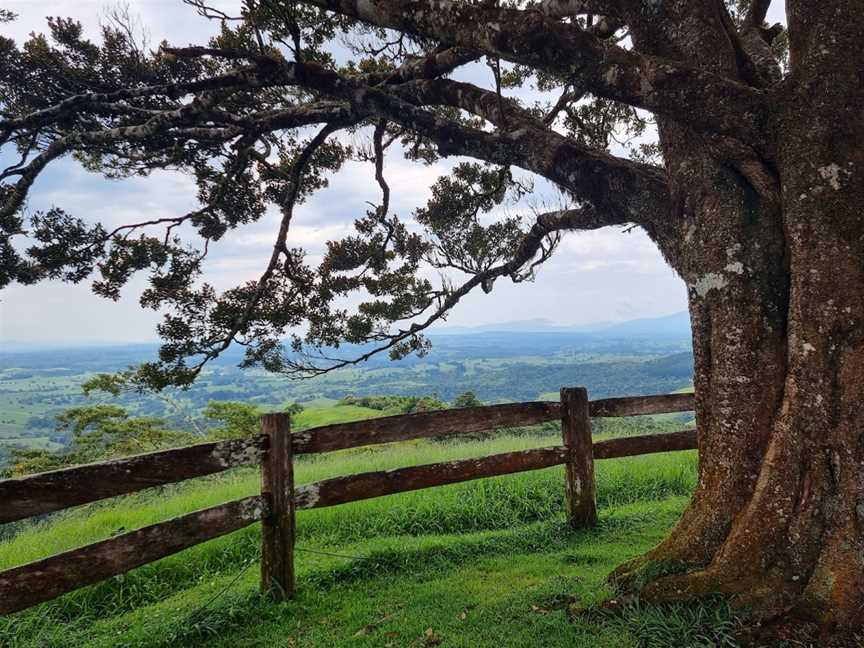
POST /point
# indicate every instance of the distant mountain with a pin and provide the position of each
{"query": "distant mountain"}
(667, 326)
(538, 325)
(490, 340)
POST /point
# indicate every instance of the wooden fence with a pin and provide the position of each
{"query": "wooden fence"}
(275, 507)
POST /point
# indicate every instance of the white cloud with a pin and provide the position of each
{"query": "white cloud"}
(55, 313)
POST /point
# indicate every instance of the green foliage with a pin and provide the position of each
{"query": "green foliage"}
(466, 399)
(396, 404)
(237, 419)
(113, 384)
(703, 624)
(293, 409)
(26, 461)
(423, 404)
(452, 218)
(98, 432)
(240, 419)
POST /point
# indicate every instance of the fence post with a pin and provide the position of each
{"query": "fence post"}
(579, 470)
(277, 529)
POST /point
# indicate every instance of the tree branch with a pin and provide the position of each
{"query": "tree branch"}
(756, 13)
(701, 99)
(171, 120)
(242, 77)
(634, 192)
(631, 191)
(545, 225)
(567, 8)
(280, 247)
(432, 65)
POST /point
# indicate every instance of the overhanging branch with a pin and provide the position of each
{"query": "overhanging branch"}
(532, 243)
(696, 97)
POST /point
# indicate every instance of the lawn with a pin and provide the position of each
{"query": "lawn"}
(484, 563)
(327, 412)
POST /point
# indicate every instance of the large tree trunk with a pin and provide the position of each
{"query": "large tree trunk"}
(776, 288)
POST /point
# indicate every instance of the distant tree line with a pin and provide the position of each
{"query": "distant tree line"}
(100, 432)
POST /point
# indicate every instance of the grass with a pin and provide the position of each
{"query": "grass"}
(484, 563)
(332, 413)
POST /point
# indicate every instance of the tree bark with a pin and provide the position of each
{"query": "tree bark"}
(776, 291)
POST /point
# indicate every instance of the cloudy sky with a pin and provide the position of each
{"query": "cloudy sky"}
(602, 275)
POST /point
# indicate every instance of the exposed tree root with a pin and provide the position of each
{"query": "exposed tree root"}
(691, 545)
(778, 612)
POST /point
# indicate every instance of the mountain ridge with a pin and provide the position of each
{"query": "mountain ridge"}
(675, 325)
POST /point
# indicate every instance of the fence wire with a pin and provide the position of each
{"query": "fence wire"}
(246, 567)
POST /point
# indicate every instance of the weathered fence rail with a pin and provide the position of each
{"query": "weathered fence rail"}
(645, 444)
(32, 495)
(46, 579)
(640, 405)
(423, 425)
(274, 450)
(352, 488)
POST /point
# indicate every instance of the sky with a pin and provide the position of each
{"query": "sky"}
(605, 275)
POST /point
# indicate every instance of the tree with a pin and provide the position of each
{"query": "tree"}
(753, 193)
(466, 399)
(237, 419)
(416, 404)
(98, 432)
(240, 419)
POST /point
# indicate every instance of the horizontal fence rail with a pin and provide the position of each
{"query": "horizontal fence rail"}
(274, 450)
(24, 497)
(645, 444)
(33, 495)
(423, 425)
(352, 488)
(641, 405)
(387, 429)
(39, 581)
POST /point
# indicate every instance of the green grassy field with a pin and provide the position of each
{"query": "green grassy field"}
(325, 411)
(484, 563)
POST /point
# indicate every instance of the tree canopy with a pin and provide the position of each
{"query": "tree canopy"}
(260, 117)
